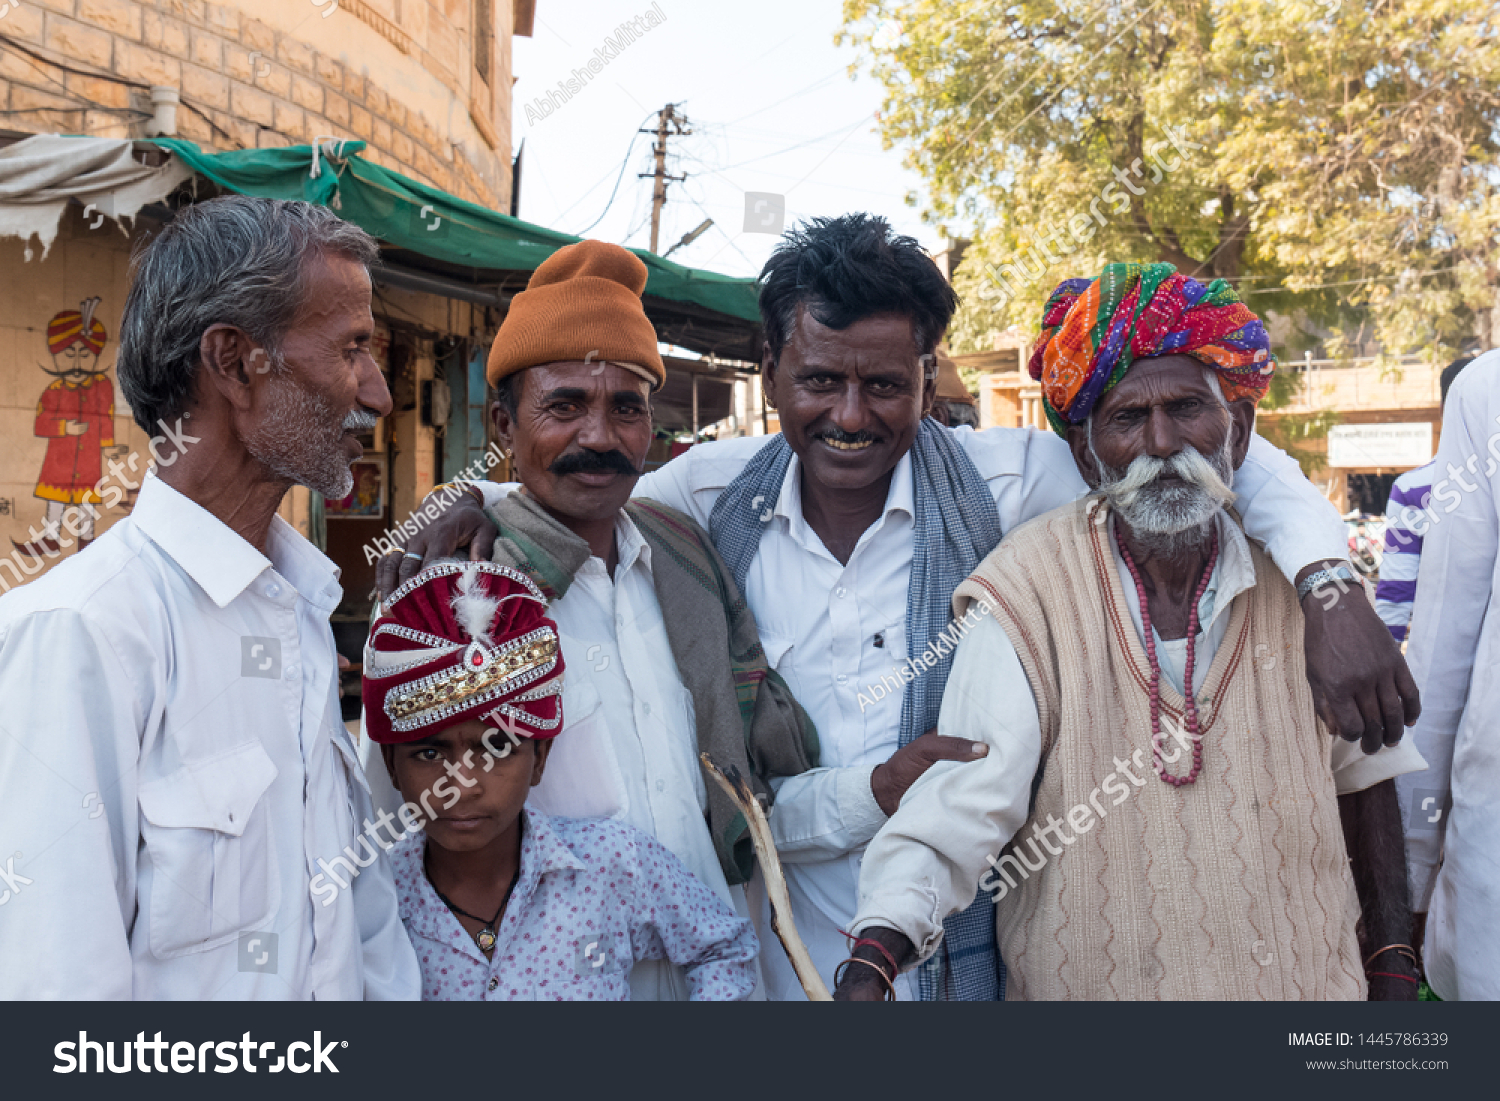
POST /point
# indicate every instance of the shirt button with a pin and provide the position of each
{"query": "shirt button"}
(646, 707)
(274, 591)
(661, 785)
(494, 982)
(843, 678)
(841, 592)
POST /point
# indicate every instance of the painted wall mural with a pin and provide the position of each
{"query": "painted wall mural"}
(76, 416)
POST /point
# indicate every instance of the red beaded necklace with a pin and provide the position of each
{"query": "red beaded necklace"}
(1190, 705)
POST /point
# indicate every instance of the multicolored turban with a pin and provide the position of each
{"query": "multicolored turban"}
(460, 641)
(1094, 329)
(77, 327)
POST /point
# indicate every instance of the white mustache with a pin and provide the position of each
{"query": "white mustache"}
(360, 422)
(1188, 464)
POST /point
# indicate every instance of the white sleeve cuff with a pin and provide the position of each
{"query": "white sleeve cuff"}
(860, 813)
(1355, 770)
(914, 910)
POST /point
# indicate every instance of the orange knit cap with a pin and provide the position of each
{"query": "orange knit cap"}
(583, 303)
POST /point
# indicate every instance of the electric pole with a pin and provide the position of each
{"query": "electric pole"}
(665, 118)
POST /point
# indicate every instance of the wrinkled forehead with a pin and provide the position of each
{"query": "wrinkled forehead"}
(880, 343)
(1159, 379)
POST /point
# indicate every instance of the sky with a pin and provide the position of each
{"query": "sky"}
(767, 95)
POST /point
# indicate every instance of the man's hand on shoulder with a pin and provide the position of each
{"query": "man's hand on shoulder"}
(462, 523)
(1361, 686)
(890, 781)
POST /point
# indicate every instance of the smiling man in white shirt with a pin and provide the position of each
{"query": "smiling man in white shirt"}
(172, 764)
(849, 531)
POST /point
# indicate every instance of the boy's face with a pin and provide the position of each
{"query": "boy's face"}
(454, 760)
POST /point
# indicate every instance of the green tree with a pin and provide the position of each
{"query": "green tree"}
(1339, 161)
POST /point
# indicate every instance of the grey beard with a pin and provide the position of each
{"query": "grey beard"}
(296, 440)
(1169, 519)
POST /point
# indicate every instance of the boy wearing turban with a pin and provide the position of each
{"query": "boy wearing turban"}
(1161, 813)
(463, 693)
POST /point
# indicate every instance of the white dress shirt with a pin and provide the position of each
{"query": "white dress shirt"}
(833, 630)
(1454, 648)
(930, 859)
(172, 767)
(629, 742)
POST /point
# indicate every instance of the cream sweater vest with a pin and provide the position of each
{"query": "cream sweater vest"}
(1233, 887)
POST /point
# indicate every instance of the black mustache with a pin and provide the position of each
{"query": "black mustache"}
(593, 462)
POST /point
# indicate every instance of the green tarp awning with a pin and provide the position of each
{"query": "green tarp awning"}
(432, 223)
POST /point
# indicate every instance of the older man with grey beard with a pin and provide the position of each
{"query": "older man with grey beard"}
(173, 769)
(1160, 814)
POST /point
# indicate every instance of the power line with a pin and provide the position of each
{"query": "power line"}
(623, 165)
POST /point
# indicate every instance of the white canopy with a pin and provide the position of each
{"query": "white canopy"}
(40, 174)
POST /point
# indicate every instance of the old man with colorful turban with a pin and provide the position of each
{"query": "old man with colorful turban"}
(1186, 837)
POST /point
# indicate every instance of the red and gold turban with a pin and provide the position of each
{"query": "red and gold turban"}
(461, 641)
(1094, 329)
(67, 329)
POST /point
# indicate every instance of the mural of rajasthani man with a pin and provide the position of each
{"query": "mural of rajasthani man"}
(76, 416)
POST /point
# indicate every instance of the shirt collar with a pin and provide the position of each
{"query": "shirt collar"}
(630, 543)
(1233, 574)
(899, 498)
(543, 852)
(221, 561)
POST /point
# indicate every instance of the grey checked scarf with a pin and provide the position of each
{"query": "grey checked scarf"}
(956, 526)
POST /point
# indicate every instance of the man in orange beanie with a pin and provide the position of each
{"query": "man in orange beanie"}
(667, 662)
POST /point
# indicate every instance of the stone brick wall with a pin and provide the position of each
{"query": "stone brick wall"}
(398, 74)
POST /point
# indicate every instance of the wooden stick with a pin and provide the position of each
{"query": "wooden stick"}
(770, 865)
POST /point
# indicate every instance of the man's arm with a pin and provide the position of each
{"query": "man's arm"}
(390, 963)
(1372, 835)
(929, 860)
(1459, 550)
(69, 742)
(1361, 685)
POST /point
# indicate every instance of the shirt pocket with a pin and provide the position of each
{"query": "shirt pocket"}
(209, 838)
(583, 772)
(778, 650)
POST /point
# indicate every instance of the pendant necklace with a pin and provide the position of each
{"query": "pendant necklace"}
(488, 936)
(1190, 704)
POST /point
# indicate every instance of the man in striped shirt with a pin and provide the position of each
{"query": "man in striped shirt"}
(1405, 523)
